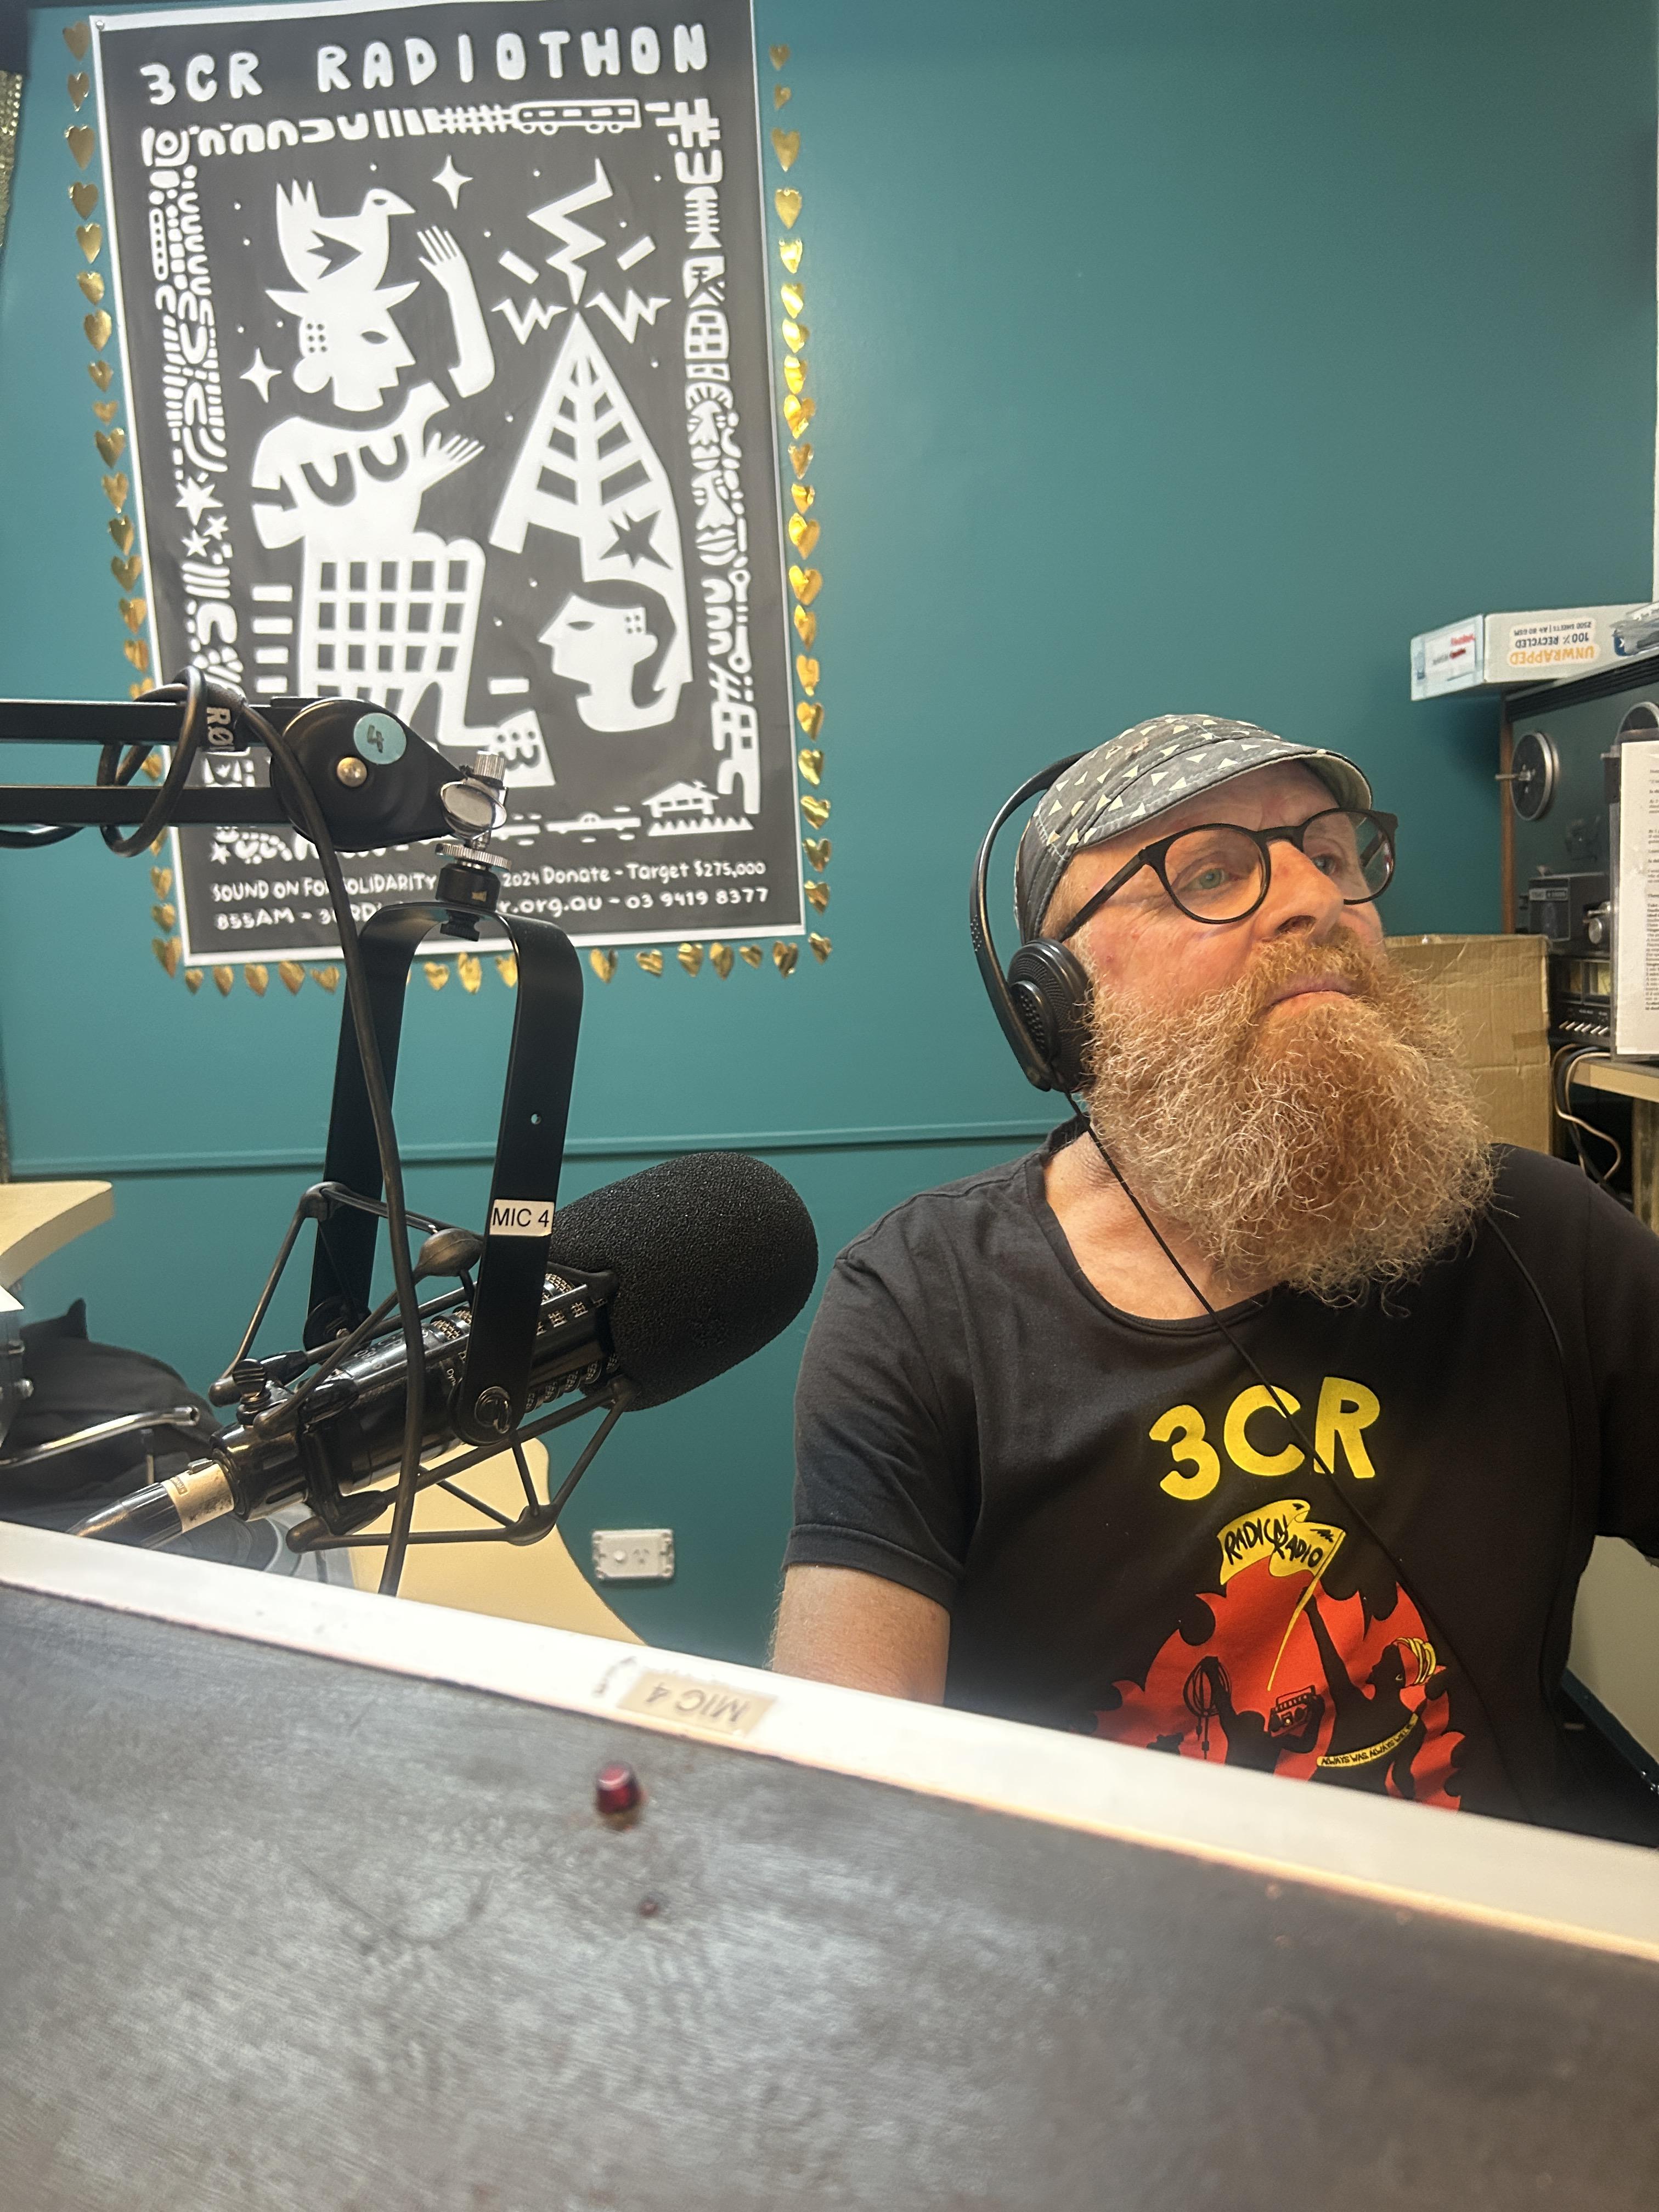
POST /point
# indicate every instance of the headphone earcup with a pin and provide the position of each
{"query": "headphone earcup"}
(1051, 993)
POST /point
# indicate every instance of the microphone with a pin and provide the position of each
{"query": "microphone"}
(654, 1285)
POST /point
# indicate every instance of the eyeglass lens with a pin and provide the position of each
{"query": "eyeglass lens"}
(1218, 874)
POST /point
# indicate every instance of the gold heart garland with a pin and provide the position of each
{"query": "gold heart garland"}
(121, 531)
(223, 980)
(787, 200)
(780, 54)
(84, 197)
(789, 249)
(91, 283)
(104, 409)
(603, 963)
(803, 495)
(79, 86)
(784, 954)
(112, 444)
(77, 37)
(90, 237)
(650, 961)
(126, 573)
(97, 327)
(691, 958)
(293, 976)
(818, 895)
(100, 372)
(165, 950)
(817, 850)
(786, 144)
(750, 955)
(257, 976)
(193, 981)
(720, 959)
(83, 138)
(821, 947)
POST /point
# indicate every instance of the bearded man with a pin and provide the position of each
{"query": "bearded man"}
(1266, 1414)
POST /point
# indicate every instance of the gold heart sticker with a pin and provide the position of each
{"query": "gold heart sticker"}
(750, 955)
(690, 959)
(83, 138)
(818, 895)
(223, 978)
(121, 531)
(79, 86)
(160, 881)
(77, 37)
(806, 625)
(817, 850)
(809, 712)
(104, 409)
(258, 977)
(436, 973)
(803, 495)
(293, 976)
(787, 201)
(133, 613)
(816, 812)
(97, 327)
(506, 966)
(789, 249)
(112, 444)
(784, 954)
(603, 963)
(801, 459)
(90, 237)
(780, 54)
(101, 373)
(137, 651)
(786, 144)
(797, 413)
(821, 947)
(193, 981)
(470, 968)
(165, 916)
(793, 298)
(804, 583)
(85, 198)
(116, 488)
(151, 767)
(126, 573)
(804, 535)
(780, 96)
(650, 961)
(794, 374)
(91, 283)
(329, 977)
(720, 959)
(165, 950)
(795, 335)
(808, 672)
(811, 764)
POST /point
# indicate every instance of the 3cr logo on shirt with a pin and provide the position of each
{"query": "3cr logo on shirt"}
(1345, 1410)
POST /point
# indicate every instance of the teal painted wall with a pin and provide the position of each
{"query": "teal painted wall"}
(1189, 353)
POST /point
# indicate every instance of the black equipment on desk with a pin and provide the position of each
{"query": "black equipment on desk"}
(1570, 909)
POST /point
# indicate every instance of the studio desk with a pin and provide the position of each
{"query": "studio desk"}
(306, 1902)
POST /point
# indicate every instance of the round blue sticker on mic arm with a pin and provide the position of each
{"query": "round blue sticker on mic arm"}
(378, 737)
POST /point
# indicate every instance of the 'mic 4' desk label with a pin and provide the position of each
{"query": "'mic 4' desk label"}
(520, 1216)
(708, 1705)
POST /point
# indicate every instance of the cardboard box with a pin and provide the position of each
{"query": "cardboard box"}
(1496, 990)
(1495, 653)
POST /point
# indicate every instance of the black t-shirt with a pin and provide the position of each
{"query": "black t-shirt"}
(1132, 1543)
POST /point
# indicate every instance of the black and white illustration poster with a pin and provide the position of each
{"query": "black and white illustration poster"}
(446, 337)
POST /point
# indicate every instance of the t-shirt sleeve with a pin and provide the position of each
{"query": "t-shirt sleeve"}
(1621, 1314)
(884, 1482)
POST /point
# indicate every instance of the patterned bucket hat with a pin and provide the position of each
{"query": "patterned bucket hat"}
(1132, 779)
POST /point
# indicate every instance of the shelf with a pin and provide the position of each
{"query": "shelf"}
(1629, 1078)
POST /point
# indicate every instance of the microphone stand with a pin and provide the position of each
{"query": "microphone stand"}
(417, 796)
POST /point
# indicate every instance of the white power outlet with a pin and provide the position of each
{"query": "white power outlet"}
(633, 1555)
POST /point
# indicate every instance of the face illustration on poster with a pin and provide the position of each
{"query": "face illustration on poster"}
(606, 639)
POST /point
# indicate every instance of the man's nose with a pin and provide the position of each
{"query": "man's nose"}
(1302, 899)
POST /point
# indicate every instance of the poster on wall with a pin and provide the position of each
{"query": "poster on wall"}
(445, 330)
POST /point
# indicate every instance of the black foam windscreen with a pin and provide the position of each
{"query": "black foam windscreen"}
(714, 1255)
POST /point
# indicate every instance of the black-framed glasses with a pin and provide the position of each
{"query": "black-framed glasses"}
(1220, 872)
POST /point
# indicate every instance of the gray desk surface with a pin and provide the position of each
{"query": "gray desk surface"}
(278, 1931)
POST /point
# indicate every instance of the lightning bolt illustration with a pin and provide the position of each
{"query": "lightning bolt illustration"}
(633, 311)
(575, 240)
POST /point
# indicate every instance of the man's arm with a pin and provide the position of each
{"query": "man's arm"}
(837, 1625)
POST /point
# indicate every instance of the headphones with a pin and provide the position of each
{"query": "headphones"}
(1041, 1001)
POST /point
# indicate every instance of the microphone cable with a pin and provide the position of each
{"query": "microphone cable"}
(385, 1144)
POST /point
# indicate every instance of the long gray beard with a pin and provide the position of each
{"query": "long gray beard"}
(1333, 1148)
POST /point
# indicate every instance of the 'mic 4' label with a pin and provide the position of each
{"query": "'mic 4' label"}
(520, 1216)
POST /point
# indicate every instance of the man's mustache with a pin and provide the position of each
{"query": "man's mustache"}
(1342, 959)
